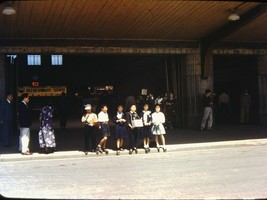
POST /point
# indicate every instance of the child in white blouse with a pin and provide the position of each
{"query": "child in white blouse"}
(158, 119)
(103, 119)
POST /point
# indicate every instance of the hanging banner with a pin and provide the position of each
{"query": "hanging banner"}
(42, 91)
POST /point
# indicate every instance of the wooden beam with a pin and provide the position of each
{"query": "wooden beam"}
(207, 43)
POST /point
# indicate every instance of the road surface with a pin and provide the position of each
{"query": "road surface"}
(231, 173)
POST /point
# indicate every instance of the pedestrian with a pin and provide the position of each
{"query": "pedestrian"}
(63, 110)
(7, 119)
(224, 107)
(90, 129)
(245, 102)
(103, 120)
(133, 130)
(207, 113)
(151, 100)
(170, 111)
(158, 119)
(146, 132)
(120, 128)
(47, 139)
(25, 122)
(130, 100)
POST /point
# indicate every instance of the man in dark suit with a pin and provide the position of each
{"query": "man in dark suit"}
(25, 121)
(7, 119)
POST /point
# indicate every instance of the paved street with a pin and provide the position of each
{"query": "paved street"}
(233, 172)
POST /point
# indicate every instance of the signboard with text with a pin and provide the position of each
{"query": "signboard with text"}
(42, 91)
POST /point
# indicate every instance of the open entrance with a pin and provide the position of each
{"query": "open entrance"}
(127, 74)
(234, 74)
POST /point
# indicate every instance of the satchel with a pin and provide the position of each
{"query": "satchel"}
(136, 123)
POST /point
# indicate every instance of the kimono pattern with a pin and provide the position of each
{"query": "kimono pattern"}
(46, 132)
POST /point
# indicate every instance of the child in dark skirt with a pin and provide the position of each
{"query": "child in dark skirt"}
(120, 129)
(103, 120)
(146, 132)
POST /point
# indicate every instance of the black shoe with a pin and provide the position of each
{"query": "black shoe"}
(118, 152)
(98, 150)
(158, 148)
(136, 151)
(130, 151)
(146, 150)
(86, 153)
(105, 151)
(164, 149)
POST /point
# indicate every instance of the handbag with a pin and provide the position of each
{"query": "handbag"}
(137, 123)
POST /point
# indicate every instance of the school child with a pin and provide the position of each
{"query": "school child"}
(133, 131)
(90, 120)
(120, 128)
(103, 120)
(146, 129)
(158, 129)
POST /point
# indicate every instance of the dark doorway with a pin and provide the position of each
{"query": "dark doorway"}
(234, 74)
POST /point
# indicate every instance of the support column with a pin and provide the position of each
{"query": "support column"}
(262, 82)
(196, 88)
(2, 77)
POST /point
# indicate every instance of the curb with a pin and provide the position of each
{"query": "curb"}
(170, 148)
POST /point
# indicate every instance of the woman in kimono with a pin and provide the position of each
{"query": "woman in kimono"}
(46, 134)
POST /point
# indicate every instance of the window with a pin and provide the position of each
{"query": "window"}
(12, 58)
(56, 59)
(34, 59)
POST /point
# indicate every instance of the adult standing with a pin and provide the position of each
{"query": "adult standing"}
(207, 115)
(224, 107)
(25, 122)
(46, 134)
(245, 102)
(130, 100)
(63, 110)
(6, 119)
(170, 111)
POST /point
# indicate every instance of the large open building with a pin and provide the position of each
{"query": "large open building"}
(175, 46)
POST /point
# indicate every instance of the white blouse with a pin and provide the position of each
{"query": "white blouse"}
(90, 119)
(158, 118)
(146, 114)
(103, 117)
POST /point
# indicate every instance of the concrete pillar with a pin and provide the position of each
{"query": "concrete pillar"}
(2, 77)
(262, 82)
(195, 89)
(193, 76)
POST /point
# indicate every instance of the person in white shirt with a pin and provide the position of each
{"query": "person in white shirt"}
(90, 120)
(103, 119)
(158, 119)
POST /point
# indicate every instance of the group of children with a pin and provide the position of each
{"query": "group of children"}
(127, 125)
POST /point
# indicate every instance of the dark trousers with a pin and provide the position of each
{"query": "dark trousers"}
(133, 137)
(7, 133)
(89, 138)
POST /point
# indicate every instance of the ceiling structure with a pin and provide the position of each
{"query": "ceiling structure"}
(133, 20)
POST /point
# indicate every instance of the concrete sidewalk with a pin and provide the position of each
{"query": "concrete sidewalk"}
(70, 141)
(170, 148)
